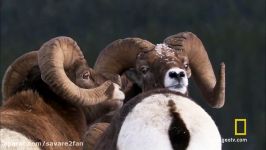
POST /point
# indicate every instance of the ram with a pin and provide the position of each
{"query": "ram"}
(161, 120)
(166, 65)
(44, 93)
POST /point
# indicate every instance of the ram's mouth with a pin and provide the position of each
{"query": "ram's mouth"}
(176, 86)
(180, 87)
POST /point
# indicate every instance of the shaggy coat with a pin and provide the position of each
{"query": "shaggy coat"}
(41, 116)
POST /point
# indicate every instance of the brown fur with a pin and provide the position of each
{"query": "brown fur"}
(158, 66)
(43, 120)
(17, 113)
(100, 112)
(94, 132)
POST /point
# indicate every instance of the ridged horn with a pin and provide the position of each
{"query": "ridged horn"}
(56, 56)
(17, 72)
(121, 55)
(202, 71)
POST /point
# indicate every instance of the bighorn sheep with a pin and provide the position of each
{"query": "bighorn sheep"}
(161, 120)
(43, 92)
(166, 65)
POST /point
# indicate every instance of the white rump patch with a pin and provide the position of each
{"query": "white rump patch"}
(146, 126)
(12, 140)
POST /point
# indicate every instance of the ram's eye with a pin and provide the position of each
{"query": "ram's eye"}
(186, 66)
(144, 69)
(86, 75)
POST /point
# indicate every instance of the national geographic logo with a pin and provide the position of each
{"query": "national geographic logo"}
(240, 127)
(240, 132)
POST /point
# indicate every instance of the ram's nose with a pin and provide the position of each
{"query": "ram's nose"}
(178, 75)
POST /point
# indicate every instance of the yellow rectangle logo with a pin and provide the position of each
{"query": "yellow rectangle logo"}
(241, 132)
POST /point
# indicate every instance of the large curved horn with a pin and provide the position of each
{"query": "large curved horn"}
(17, 72)
(202, 71)
(58, 55)
(120, 55)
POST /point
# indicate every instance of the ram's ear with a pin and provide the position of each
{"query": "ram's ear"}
(134, 76)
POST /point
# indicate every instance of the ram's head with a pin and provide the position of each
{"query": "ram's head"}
(167, 65)
(62, 66)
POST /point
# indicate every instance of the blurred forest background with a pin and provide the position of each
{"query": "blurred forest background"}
(233, 31)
